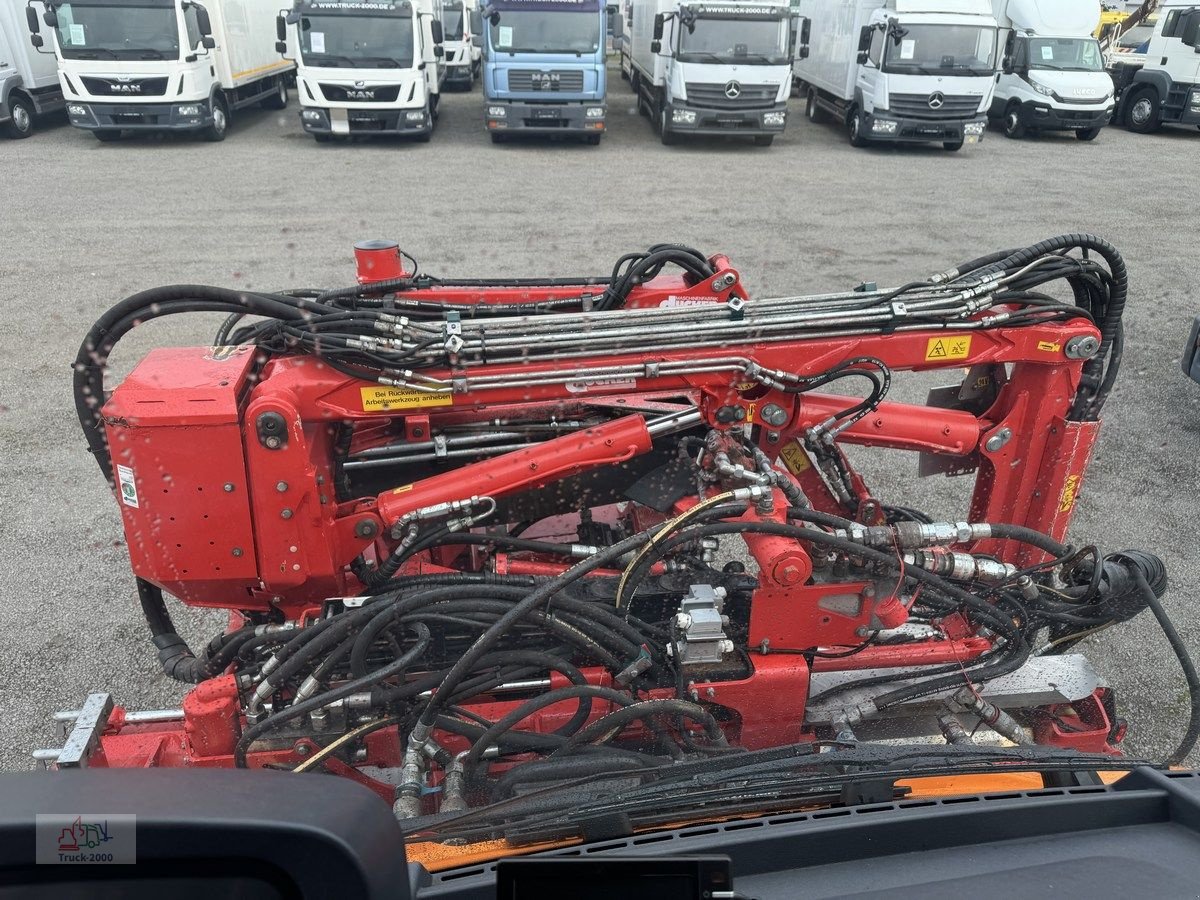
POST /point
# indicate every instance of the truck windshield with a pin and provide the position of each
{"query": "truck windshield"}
(546, 32)
(752, 41)
(1066, 54)
(357, 42)
(117, 31)
(452, 22)
(941, 50)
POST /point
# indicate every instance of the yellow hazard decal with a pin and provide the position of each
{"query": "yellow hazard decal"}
(944, 348)
(1070, 492)
(795, 458)
(382, 399)
(1049, 347)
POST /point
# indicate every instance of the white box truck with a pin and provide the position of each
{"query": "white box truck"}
(462, 28)
(28, 74)
(719, 68)
(1052, 69)
(901, 70)
(1161, 85)
(165, 65)
(366, 67)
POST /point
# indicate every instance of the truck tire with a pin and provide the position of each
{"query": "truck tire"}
(279, 99)
(498, 138)
(1013, 129)
(220, 124)
(21, 123)
(1088, 134)
(592, 139)
(322, 138)
(665, 134)
(107, 135)
(1143, 114)
(855, 126)
(764, 140)
(811, 108)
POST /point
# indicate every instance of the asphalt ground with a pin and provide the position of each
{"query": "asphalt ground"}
(85, 224)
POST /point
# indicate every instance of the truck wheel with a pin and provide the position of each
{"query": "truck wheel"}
(1087, 134)
(21, 124)
(592, 139)
(279, 99)
(811, 108)
(1144, 114)
(857, 138)
(1012, 123)
(220, 123)
(665, 134)
(764, 140)
(498, 138)
(952, 146)
(108, 135)
(322, 138)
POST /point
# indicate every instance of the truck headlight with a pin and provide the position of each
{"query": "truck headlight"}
(497, 112)
(777, 117)
(188, 109)
(1195, 101)
(884, 126)
(312, 115)
(1042, 89)
(683, 116)
(415, 115)
(595, 112)
(74, 109)
(975, 128)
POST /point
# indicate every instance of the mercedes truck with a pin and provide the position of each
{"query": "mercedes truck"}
(721, 68)
(1052, 75)
(901, 70)
(544, 68)
(462, 26)
(1161, 85)
(365, 68)
(29, 85)
(164, 65)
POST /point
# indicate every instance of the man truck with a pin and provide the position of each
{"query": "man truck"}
(28, 75)
(1161, 86)
(544, 68)
(714, 68)
(1052, 71)
(901, 70)
(462, 25)
(365, 67)
(164, 65)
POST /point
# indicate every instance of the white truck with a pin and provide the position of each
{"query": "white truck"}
(28, 75)
(1162, 85)
(901, 70)
(1052, 71)
(714, 68)
(366, 67)
(164, 65)
(462, 26)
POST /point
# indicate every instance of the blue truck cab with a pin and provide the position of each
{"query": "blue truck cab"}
(544, 68)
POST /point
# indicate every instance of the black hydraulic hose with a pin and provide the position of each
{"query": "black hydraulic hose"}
(1030, 536)
(396, 667)
(617, 720)
(584, 693)
(566, 768)
(176, 659)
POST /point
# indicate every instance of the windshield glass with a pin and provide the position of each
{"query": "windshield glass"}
(542, 32)
(363, 42)
(1137, 38)
(761, 41)
(453, 25)
(1065, 54)
(90, 31)
(941, 50)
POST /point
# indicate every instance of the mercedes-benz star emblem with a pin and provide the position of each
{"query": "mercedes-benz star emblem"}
(733, 90)
(937, 100)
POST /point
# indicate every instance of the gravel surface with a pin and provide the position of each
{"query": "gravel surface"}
(87, 223)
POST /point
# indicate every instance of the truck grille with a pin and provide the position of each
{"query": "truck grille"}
(133, 87)
(944, 106)
(566, 80)
(339, 93)
(732, 95)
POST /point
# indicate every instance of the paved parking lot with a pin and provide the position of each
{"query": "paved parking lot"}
(86, 224)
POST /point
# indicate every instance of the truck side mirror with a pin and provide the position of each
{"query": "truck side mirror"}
(1006, 65)
(204, 23)
(864, 39)
(805, 35)
(656, 46)
(863, 56)
(435, 27)
(280, 29)
(50, 17)
(36, 40)
(207, 41)
(31, 19)
(658, 28)
(477, 41)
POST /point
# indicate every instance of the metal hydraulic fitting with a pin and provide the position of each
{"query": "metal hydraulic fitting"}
(991, 715)
(412, 785)
(454, 786)
(952, 730)
(914, 535)
(960, 566)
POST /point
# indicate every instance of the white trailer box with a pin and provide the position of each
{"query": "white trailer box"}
(28, 75)
(900, 70)
(166, 65)
(1053, 76)
(714, 68)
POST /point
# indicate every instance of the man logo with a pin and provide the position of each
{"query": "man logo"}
(359, 95)
(733, 90)
(937, 100)
(360, 84)
(125, 88)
